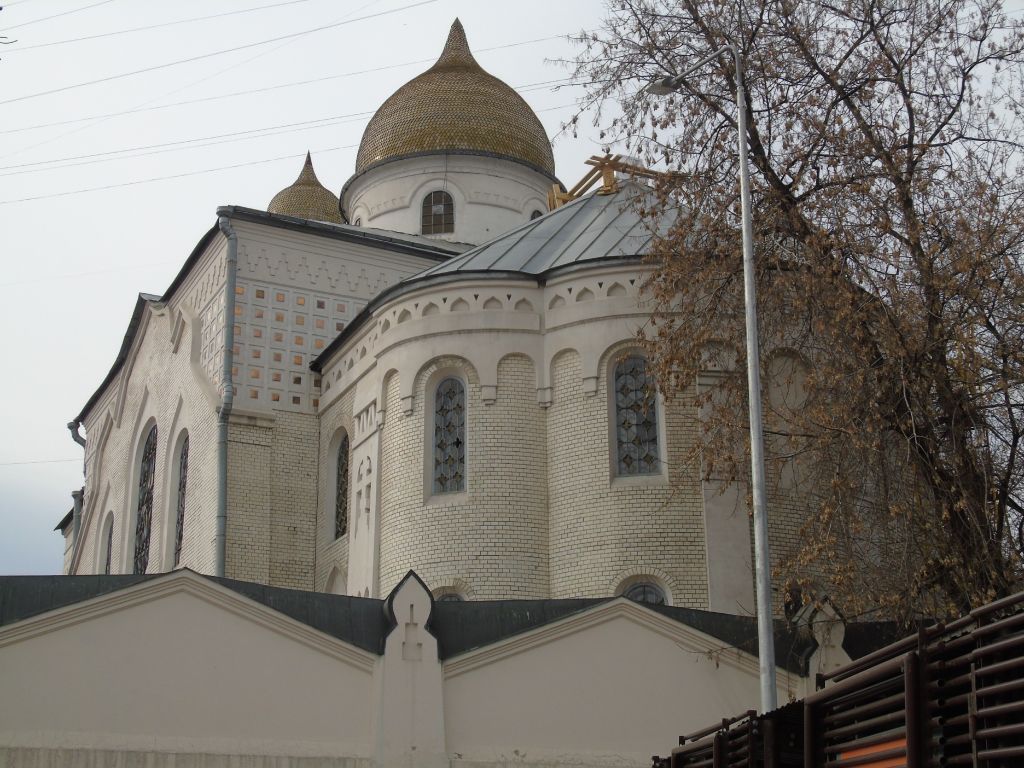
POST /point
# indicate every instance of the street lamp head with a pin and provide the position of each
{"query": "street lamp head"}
(663, 86)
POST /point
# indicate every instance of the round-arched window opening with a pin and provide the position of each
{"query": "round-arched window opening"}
(645, 592)
(450, 597)
(357, 223)
(536, 215)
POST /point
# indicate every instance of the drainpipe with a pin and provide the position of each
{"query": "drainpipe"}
(228, 397)
(77, 496)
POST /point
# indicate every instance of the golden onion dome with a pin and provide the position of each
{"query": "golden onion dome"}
(456, 107)
(307, 198)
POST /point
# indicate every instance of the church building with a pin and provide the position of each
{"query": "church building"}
(433, 372)
(383, 479)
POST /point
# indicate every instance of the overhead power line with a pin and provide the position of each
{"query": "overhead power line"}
(211, 54)
(207, 141)
(55, 16)
(175, 175)
(251, 91)
(153, 26)
(265, 161)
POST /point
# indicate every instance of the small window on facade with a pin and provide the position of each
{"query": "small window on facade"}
(144, 513)
(438, 214)
(450, 597)
(358, 222)
(341, 490)
(179, 526)
(646, 592)
(450, 436)
(536, 215)
(636, 418)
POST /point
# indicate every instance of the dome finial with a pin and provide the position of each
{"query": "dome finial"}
(456, 51)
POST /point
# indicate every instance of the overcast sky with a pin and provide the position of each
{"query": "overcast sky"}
(232, 128)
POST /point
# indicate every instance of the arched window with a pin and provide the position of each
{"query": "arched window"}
(144, 514)
(438, 214)
(449, 436)
(645, 592)
(341, 490)
(450, 597)
(536, 215)
(636, 418)
(179, 526)
(108, 543)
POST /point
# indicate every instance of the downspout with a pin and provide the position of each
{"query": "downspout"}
(76, 518)
(228, 396)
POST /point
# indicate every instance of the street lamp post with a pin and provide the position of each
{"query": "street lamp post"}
(762, 563)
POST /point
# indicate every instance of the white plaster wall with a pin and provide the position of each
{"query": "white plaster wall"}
(170, 378)
(613, 693)
(180, 673)
(491, 196)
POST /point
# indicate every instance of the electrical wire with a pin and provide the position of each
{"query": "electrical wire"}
(250, 163)
(264, 89)
(153, 26)
(206, 141)
(136, 182)
(211, 54)
(55, 16)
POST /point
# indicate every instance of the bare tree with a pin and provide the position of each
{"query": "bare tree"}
(886, 161)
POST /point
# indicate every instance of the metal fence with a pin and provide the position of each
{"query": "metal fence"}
(950, 695)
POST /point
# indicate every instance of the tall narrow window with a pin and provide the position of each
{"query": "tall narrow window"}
(636, 418)
(144, 514)
(449, 436)
(179, 527)
(341, 490)
(109, 543)
(438, 214)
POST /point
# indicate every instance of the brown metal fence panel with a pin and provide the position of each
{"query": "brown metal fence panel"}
(952, 695)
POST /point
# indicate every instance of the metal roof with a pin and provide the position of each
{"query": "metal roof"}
(595, 227)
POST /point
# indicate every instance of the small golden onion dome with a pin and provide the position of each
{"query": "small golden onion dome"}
(455, 106)
(307, 198)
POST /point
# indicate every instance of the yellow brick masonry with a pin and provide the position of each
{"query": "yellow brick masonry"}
(603, 528)
(493, 539)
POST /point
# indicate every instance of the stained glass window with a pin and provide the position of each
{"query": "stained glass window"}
(438, 214)
(179, 530)
(449, 436)
(636, 418)
(646, 592)
(110, 544)
(144, 515)
(341, 490)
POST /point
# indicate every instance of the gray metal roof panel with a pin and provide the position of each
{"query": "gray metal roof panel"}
(590, 228)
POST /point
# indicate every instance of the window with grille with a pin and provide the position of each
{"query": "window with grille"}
(449, 436)
(179, 525)
(144, 514)
(341, 490)
(645, 592)
(438, 214)
(636, 418)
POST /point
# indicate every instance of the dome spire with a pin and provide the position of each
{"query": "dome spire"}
(456, 53)
(307, 175)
